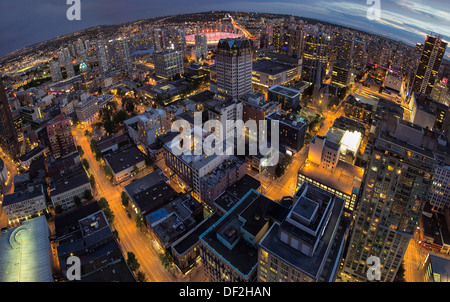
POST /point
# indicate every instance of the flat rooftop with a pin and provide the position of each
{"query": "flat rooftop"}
(289, 92)
(124, 159)
(271, 67)
(344, 178)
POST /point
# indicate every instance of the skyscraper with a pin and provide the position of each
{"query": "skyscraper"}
(234, 67)
(60, 137)
(430, 61)
(158, 40)
(201, 47)
(55, 71)
(315, 57)
(102, 56)
(396, 186)
(8, 136)
(70, 71)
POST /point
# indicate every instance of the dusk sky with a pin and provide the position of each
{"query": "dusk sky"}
(26, 22)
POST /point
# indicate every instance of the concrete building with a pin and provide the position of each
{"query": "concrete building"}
(125, 163)
(234, 67)
(86, 234)
(64, 190)
(341, 73)
(308, 245)
(439, 196)
(396, 186)
(168, 63)
(150, 193)
(59, 133)
(201, 47)
(88, 107)
(269, 73)
(291, 132)
(55, 71)
(429, 113)
(436, 268)
(24, 204)
(229, 248)
(288, 98)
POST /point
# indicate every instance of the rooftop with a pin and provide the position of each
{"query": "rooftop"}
(270, 67)
(16, 247)
(124, 159)
(23, 195)
(345, 178)
(289, 92)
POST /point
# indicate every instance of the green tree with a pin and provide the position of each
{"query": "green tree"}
(141, 276)
(87, 133)
(80, 150)
(125, 199)
(86, 164)
(166, 260)
(108, 172)
(140, 223)
(103, 203)
(88, 195)
(119, 117)
(132, 261)
(92, 180)
(110, 126)
(149, 161)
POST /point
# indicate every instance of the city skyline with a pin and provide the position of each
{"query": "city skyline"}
(404, 20)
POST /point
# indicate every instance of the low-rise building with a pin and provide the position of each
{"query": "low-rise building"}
(24, 203)
(64, 190)
(125, 163)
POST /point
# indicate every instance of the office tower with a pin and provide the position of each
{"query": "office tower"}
(102, 56)
(60, 137)
(168, 63)
(123, 53)
(341, 74)
(359, 56)
(55, 71)
(84, 74)
(396, 187)
(307, 245)
(295, 42)
(70, 71)
(8, 136)
(234, 67)
(277, 37)
(79, 46)
(315, 57)
(344, 49)
(430, 61)
(201, 47)
(158, 40)
(439, 91)
(181, 41)
(440, 189)
(72, 50)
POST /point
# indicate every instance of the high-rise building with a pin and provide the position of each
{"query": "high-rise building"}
(439, 92)
(70, 71)
(430, 61)
(315, 57)
(307, 245)
(60, 137)
(102, 56)
(158, 40)
(359, 56)
(201, 47)
(295, 42)
(234, 67)
(397, 182)
(8, 136)
(55, 71)
(168, 63)
(440, 190)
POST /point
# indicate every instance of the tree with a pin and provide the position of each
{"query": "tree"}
(92, 180)
(103, 203)
(149, 161)
(109, 126)
(80, 150)
(166, 259)
(400, 277)
(87, 133)
(116, 235)
(141, 276)
(88, 195)
(108, 172)
(135, 169)
(132, 261)
(125, 199)
(119, 117)
(58, 209)
(86, 164)
(77, 200)
(140, 223)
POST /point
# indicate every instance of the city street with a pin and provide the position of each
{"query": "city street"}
(131, 239)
